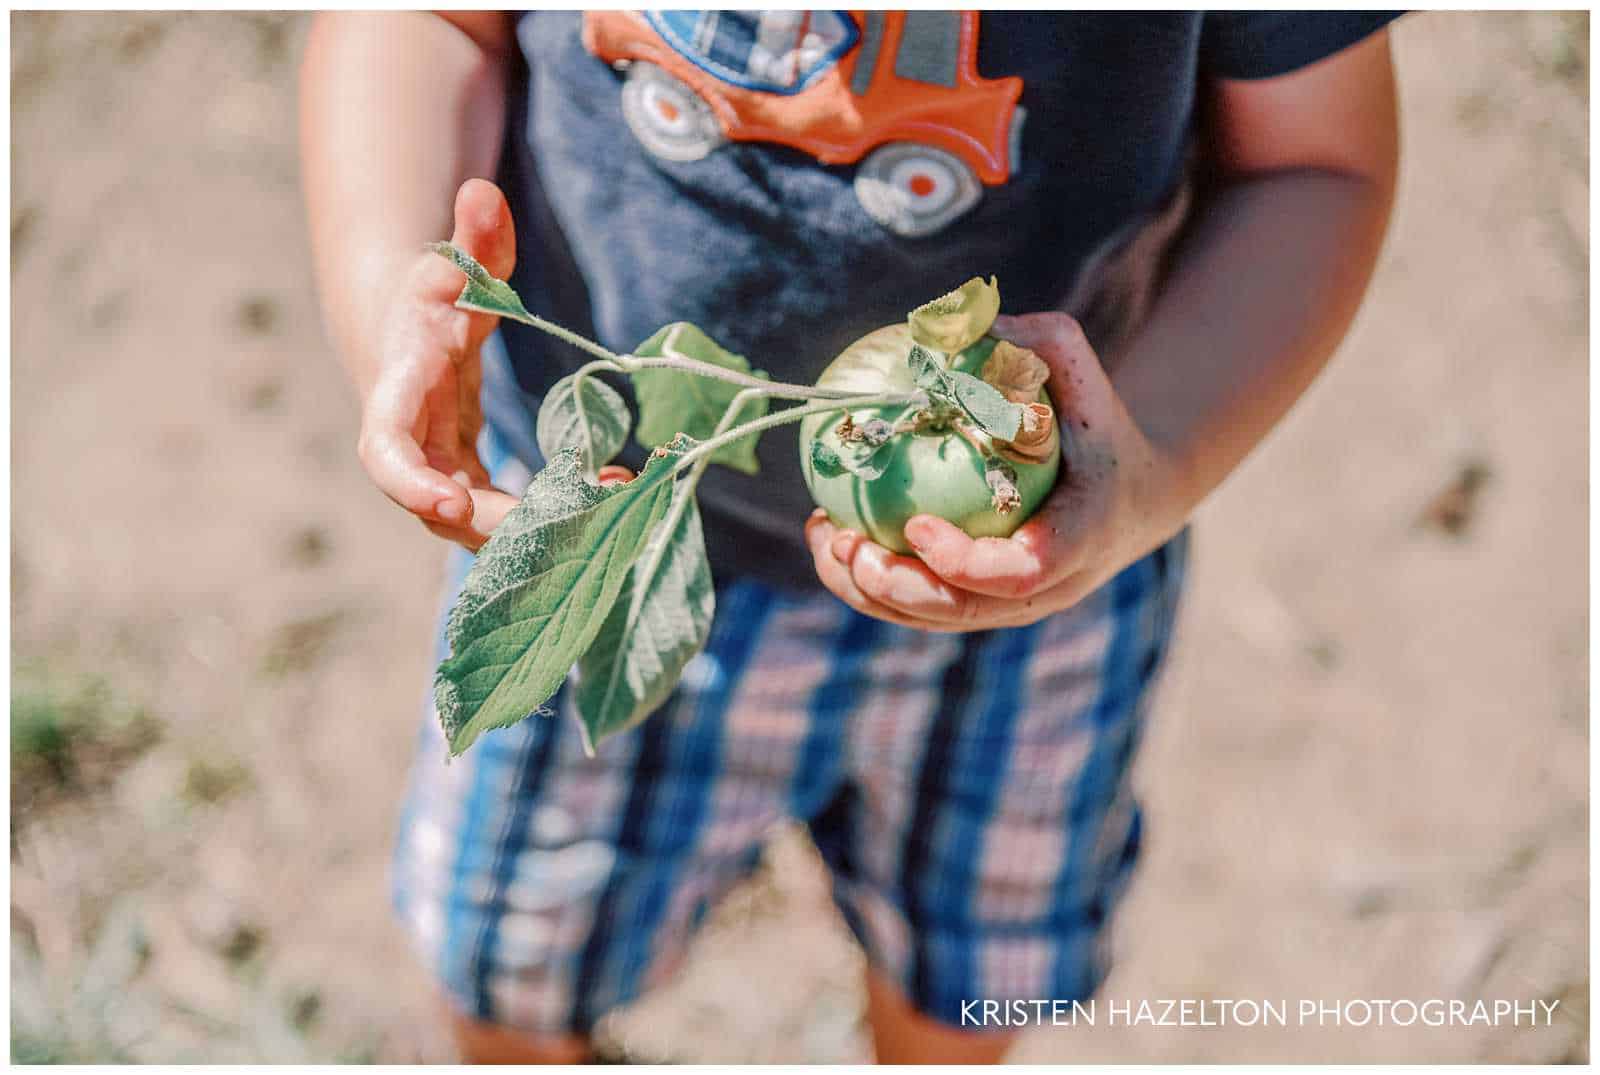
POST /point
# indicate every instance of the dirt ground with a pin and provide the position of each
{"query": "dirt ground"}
(1368, 777)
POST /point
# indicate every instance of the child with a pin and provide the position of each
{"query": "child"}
(957, 733)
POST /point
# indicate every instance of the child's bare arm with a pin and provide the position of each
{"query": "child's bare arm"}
(1261, 294)
(397, 111)
(1267, 286)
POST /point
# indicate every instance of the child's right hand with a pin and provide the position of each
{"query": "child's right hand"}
(422, 414)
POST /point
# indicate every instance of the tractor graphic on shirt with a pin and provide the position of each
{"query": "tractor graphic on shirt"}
(896, 91)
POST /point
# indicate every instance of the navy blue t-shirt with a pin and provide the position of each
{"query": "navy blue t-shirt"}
(790, 181)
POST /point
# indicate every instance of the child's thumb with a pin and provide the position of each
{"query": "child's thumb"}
(484, 228)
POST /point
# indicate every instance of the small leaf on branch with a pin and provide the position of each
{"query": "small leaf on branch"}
(864, 459)
(1017, 372)
(997, 415)
(867, 465)
(660, 621)
(928, 371)
(540, 591)
(595, 421)
(994, 414)
(1002, 480)
(825, 461)
(483, 292)
(673, 401)
(955, 321)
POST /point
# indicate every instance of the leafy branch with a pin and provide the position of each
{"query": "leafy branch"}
(615, 579)
(486, 294)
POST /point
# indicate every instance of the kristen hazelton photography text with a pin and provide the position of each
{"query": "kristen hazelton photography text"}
(1248, 1012)
(955, 536)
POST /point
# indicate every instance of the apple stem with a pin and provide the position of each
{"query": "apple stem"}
(793, 414)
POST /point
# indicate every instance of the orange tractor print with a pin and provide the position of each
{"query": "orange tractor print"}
(897, 92)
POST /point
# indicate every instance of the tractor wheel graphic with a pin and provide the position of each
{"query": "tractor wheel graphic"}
(915, 190)
(669, 118)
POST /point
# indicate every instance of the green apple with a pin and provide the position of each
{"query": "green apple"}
(935, 472)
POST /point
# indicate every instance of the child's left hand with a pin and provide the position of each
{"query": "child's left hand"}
(1118, 498)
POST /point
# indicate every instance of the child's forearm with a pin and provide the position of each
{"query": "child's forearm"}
(397, 110)
(1260, 296)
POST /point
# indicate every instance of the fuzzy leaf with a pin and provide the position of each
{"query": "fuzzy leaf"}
(660, 621)
(483, 292)
(594, 421)
(672, 401)
(997, 415)
(958, 320)
(540, 591)
(927, 370)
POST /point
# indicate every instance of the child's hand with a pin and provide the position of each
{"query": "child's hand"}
(421, 416)
(1115, 502)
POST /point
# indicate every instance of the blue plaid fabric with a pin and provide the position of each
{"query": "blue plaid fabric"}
(969, 794)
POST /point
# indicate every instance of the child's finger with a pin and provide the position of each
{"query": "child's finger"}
(463, 536)
(999, 567)
(469, 422)
(483, 227)
(395, 461)
(906, 586)
(490, 508)
(441, 443)
(820, 534)
(844, 545)
(477, 474)
(467, 460)
(397, 466)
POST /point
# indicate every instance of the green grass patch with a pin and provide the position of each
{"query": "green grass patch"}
(71, 732)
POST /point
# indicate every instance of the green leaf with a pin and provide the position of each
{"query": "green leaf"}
(660, 621)
(540, 591)
(825, 461)
(483, 292)
(927, 370)
(983, 403)
(954, 322)
(994, 413)
(861, 447)
(864, 460)
(595, 421)
(674, 401)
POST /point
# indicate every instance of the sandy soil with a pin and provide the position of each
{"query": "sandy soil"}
(1368, 778)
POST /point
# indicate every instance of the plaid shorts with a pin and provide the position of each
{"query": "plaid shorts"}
(969, 794)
